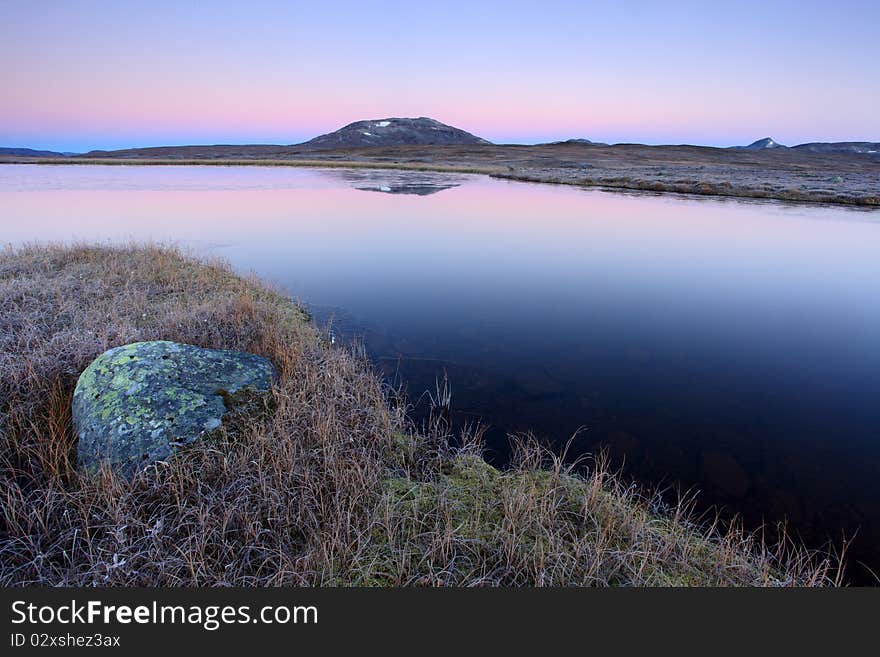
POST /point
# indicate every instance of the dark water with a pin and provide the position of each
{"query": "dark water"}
(724, 346)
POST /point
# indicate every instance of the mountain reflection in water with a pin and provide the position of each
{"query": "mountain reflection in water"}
(390, 181)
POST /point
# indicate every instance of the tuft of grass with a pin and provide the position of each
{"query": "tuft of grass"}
(333, 487)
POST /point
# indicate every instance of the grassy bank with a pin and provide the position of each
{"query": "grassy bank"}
(335, 488)
(233, 162)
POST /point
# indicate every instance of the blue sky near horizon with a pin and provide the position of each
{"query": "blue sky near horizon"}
(96, 74)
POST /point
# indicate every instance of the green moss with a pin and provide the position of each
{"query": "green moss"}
(401, 451)
(561, 520)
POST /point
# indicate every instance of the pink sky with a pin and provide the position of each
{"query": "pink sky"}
(93, 74)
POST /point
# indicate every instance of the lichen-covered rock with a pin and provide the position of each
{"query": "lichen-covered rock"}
(136, 404)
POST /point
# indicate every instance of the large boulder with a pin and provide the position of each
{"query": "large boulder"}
(136, 404)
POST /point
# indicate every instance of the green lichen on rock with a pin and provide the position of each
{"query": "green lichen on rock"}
(136, 404)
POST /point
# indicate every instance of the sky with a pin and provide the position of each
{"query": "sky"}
(77, 75)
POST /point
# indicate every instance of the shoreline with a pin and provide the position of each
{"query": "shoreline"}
(689, 171)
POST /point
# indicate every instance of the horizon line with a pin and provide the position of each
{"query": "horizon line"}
(596, 142)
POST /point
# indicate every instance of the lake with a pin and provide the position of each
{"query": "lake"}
(722, 346)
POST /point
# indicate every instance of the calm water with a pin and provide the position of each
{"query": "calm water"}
(730, 347)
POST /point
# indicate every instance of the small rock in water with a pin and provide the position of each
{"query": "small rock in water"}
(137, 403)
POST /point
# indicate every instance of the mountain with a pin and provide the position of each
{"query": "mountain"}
(762, 144)
(869, 147)
(393, 132)
(29, 152)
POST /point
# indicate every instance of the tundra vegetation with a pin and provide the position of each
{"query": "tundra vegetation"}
(331, 484)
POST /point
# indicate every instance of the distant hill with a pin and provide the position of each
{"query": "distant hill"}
(867, 147)
(577, 140)
(762, 144)
(29, 152)
(229, 151)
(870, 147)
(393, 132)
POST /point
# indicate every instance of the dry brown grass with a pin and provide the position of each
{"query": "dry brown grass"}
(333, 489)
